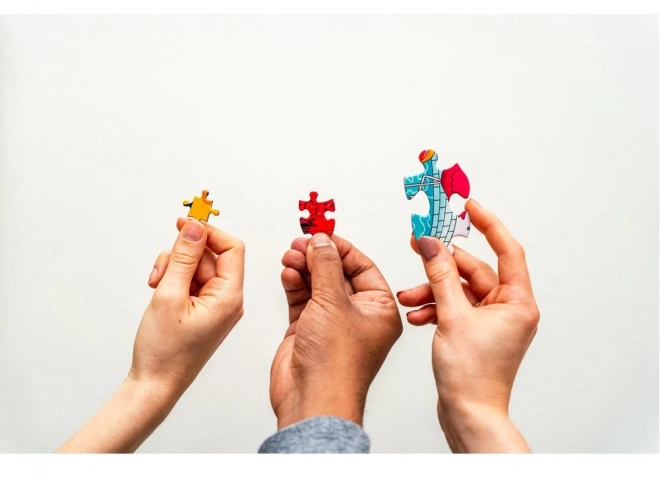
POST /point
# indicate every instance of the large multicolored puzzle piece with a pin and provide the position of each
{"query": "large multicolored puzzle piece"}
(200, 208)
(316, 222)
(439, 186)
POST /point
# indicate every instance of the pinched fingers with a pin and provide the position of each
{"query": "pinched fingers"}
(210, 265)
(358, 268)
(296, 259)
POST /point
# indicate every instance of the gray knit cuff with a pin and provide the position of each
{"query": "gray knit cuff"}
(318, 435)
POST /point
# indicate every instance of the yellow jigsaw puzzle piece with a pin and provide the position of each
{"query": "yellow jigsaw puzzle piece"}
(200, 208)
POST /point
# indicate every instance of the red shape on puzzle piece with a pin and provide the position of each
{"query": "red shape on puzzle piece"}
(454, 180)
(316, 222)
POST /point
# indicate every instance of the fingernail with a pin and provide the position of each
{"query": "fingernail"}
(192, 231)
(152, 275)
(428, 247)
(478, 204)
(399, 293)
(321, 240)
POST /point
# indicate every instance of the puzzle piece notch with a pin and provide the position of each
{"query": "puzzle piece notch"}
(438, 186)
(316, 222)
(200, 207)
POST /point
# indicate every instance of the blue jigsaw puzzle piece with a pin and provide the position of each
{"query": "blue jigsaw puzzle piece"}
(441, 222)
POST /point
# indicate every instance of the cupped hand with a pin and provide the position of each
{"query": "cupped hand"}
(343, 321)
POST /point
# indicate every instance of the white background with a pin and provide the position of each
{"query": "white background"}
(109, 123)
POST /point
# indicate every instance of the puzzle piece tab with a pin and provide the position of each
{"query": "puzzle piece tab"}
(316, 222)
(439, 186)
(200, 208)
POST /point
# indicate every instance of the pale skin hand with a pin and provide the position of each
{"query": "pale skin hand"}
(197, 301)
(476, 350)
(343, 321)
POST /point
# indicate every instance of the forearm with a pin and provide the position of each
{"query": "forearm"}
(123, 423)
(481, 430)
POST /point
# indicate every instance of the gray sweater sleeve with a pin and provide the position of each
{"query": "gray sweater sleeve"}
(318, 435)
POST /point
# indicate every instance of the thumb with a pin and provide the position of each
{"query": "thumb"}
(326, 269)
(184, 259)
(443, 277)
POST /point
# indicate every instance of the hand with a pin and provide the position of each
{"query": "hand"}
(198, 300)
(343, 321)
(484, 328)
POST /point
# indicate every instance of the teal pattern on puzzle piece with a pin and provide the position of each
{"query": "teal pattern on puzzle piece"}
(439, 186)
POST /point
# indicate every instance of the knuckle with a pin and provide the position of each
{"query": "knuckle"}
(239, 246)
(440, 272)
(398, 327)
(447, 320)
(183, 258)
(536, 315)
(326, 256)
(235, 302)
(325, 297)
(329, 301)
(518, 250)
(532, 317)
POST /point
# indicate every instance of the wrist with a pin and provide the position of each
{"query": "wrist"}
(154, 401)
(476, 428)
(300, 406)
(158, 396)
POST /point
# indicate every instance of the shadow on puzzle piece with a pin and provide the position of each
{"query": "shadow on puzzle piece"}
(439, 186)
(200, 208)
(316, 222)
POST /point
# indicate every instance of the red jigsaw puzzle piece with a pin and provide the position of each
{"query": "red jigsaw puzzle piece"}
(316, 222)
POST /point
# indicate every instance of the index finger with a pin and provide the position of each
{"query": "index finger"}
(360, 270)
(511, 263)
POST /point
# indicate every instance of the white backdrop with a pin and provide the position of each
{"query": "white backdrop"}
(109, 123)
